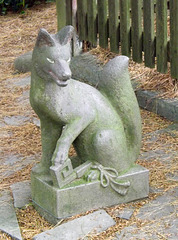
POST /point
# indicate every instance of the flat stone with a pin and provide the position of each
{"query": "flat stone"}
(8, 219)
(162, 206)
(133, 233)
(24, 98)
(36, 121)
(16, 120)
(80, 197)
(125, 213)
(93, 223)
(12, 163)
(164, 229)
(23, 82)
(21, 193)
(167, 108)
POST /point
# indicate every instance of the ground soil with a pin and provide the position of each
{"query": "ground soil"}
(18, 34)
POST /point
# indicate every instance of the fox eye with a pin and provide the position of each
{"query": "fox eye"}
(50, 60)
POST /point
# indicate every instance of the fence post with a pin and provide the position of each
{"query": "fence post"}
(136, 34)
(102, 23)
(61, 13)
(125, 27)
(174, 38)
(92, 24)
(161, 35)
(114, 25)
(148, 37)
(82, 19)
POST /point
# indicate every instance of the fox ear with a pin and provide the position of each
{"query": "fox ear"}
(65, 35)
(44, 39)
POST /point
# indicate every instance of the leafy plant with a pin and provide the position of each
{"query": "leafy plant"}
(15, 5)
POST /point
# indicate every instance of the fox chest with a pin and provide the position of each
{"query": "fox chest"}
(57, 105)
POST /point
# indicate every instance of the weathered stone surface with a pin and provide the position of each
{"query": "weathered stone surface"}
(36, 121)
(13, 163)
(162, 206)
(125, 213)
(23, 62)
(21, 193)
(8, 219)
(93, 223)
(160, 217)
(163, 107)
(16, 120)
(80, 197)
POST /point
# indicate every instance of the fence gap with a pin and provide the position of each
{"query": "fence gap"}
(102, 23)
(136, 33)
(125, 27)
(148, 37)
(161, 35)
(174, 37)
(114, 25)
(92, 21)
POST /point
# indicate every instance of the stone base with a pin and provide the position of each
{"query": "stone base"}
(80, 196)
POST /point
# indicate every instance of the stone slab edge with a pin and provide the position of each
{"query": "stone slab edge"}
(167, 108)
(78, 228)
(8, 219)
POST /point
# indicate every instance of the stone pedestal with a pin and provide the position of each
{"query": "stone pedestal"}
(80, 196)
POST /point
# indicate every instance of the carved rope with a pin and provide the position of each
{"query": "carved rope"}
(108, 176)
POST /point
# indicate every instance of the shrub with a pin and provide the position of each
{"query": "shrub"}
(14, 5)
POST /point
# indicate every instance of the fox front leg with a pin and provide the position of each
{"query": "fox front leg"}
(69, 133)
(50, 132)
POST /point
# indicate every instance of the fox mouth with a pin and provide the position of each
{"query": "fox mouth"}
(58, 81)
(61, 83)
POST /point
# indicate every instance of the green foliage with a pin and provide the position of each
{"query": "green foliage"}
(17, 5)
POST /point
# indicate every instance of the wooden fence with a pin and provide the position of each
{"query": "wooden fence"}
(139, 28)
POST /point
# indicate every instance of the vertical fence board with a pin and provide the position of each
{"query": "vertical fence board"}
(68, 12)
(174, 37)
(125, 27)
(82, 19)
(161, 35)
(148, 37)
(91, 19)
(61, 13)
(136, 33)
(114, 25)
(102, 23)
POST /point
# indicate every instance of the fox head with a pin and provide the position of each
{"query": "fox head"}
(52, 54)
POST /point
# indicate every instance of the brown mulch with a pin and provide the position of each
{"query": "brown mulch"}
(147, 78)
(18, 34)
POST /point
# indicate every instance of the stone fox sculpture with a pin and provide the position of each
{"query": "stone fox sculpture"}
(103, 124)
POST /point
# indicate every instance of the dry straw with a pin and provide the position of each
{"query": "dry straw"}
(18, 34)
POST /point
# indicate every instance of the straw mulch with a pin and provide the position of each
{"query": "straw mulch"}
(147, 78)
(18, 34)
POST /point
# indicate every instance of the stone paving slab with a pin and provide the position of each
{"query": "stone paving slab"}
(126, 213)
(21, 193)
(16, 120)
(93, 223)
(160, 220)
(162, 206)
(8, 219)
(13, 163)
(150, 101)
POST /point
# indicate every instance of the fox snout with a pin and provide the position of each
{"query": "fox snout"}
(60, 72)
